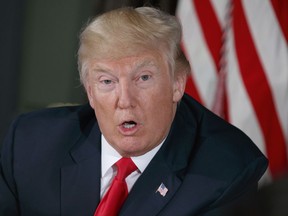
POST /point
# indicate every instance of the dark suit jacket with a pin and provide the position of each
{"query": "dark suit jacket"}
(50, 165)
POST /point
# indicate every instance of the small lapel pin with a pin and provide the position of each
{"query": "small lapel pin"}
(162, 189)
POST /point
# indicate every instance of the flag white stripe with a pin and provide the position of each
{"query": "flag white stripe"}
(267, 33)
(198, 53)
(272, 50)
(220, 7)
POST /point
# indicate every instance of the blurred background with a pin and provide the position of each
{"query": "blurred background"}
(237, 50)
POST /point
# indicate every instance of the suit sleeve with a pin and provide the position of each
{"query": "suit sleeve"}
(8, 192)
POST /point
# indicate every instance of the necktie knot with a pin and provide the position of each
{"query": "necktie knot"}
(125, 167)
(117, 193)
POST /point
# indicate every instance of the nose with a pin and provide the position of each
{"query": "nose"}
(126, 96)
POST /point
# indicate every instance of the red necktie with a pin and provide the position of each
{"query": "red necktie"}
(117, 193)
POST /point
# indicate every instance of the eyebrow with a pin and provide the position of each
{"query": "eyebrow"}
(147, 62)
(136, 66)
(98, 68)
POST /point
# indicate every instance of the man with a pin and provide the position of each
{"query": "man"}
(188, 161)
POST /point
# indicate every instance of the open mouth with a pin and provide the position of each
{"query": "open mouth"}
(129, 124)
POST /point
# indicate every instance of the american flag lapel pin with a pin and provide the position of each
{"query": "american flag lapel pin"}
(162, 189)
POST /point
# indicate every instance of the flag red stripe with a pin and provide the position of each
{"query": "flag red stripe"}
(281, 11)
(211, 29)
(213, 35)
(256, 84)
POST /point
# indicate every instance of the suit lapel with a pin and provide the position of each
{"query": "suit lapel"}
(80, 176)
(144, 196)
(167, 167)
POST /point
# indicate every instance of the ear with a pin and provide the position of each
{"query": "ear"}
(179, 86)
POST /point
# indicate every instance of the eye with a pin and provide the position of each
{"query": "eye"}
(145, 77)
(106, 82)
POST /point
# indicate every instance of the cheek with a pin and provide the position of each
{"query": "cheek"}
(105, 117)
(161, 109)
(160, 100)
(103, 106)
(96, 98)
(91, 95)
(159, 124)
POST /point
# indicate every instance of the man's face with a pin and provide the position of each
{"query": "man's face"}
(134, 99)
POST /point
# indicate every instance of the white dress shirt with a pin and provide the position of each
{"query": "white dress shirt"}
(109, 156)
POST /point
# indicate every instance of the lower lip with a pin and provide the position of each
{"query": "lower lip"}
(128, 131)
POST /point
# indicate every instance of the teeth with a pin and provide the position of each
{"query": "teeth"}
(129, 125)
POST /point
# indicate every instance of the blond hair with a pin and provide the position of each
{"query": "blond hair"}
(127, 30)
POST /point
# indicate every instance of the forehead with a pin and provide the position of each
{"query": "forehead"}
(140, 60)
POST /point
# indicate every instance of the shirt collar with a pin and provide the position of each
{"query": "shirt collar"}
(109, 156)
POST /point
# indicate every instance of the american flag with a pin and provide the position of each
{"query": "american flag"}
(162, 189)
(239, 58)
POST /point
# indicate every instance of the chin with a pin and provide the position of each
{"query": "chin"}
(131, 152)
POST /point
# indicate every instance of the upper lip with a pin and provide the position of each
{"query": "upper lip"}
(128, 121)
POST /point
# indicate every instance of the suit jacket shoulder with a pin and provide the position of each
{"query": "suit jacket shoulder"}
(219, 143)
(42, 159)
